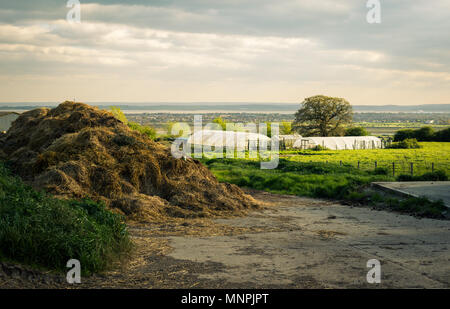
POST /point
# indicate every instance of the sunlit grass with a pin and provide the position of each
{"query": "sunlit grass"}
(437, 153)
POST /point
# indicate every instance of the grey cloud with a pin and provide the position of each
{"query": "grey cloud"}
(413, 37)
(410, 30)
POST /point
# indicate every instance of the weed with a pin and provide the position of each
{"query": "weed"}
(40, 230)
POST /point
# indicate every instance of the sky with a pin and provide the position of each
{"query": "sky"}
(225, 51)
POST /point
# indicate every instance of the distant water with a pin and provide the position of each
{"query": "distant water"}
(224, 107)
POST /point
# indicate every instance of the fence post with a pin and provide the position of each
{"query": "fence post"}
(340, 163)
(376, 164)
(393, 169)
(412, 169)
(358, 164)
(432, 167)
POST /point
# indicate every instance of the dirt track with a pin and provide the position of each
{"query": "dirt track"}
(295, 243)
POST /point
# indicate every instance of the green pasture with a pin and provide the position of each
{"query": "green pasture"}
(432, 155)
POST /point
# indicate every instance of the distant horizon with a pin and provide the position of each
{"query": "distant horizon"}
(226, 107)
(200, 102)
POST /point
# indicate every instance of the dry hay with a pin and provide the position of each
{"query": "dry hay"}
(77, 151)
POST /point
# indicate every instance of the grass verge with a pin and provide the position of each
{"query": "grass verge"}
(43, 231)
(297, 178)
(321, 180)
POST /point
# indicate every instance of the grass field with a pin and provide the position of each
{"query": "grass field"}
(306, 179)
(422, 159)
(322, 180)
(321, 174)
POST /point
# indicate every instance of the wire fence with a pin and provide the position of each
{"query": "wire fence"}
(395, 168)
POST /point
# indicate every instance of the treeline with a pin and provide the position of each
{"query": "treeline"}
(424, 134)
(438, 118)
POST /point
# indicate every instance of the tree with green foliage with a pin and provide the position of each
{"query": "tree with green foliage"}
(286, 128)
(424, 134)
(403, 134)
(323, 116)
(118, 114)
(146, 130)
(409, 143)
(221, 122)
(356, 131)
(442, 135)
(170, 126)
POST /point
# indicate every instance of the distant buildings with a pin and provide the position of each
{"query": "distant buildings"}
(237, 140)
(243, 140)
(339, 142)
(288, 141)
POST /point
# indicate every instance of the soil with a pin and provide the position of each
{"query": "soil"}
(294, 243)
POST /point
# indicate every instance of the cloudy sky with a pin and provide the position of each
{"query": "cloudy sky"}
(225, 51)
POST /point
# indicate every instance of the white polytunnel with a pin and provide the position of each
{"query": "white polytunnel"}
(288, 141)
(219, 138)
(339, 142)
(290, 137)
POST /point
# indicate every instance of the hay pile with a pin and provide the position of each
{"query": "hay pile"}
(76, 151)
